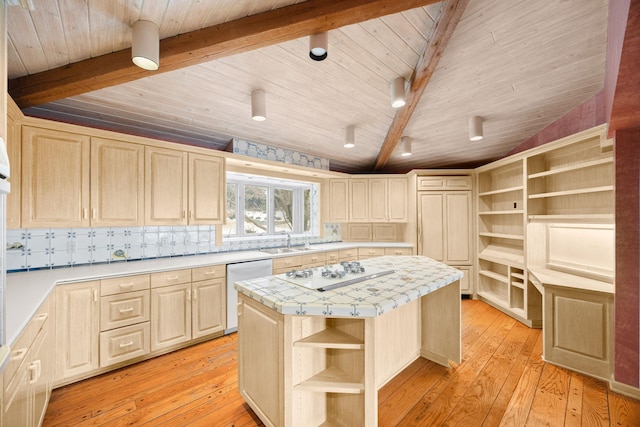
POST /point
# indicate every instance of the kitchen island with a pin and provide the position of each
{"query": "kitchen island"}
(319, 358)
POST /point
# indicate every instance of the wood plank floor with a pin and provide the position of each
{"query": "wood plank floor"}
(501, 381)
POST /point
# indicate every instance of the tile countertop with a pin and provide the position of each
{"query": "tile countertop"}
(26, 291)
(414, 277)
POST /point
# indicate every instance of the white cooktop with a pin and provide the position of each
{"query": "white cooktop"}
(317, 281)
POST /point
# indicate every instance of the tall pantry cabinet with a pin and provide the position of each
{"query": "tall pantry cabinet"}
(445, 232)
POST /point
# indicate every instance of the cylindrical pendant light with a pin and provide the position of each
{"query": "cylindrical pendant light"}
(258, 106)
(398, 92)
(350, 137)
(405, 146)
(475, 128)
(145, 45)
(319, 46)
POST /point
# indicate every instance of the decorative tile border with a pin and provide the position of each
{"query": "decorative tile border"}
(266, 152)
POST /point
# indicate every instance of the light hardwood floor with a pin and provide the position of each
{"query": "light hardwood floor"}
(501, 381)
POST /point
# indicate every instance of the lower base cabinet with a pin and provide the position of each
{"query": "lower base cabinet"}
(28, 378)
(170, 316)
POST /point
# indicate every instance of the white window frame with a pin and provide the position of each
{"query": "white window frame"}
(298, 188)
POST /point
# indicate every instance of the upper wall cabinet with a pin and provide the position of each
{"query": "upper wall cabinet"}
(165, 187)
(183, 188)
(339, 200)
(378, 199)
(117, 183)
(14, 148)
(206, 189)
(55, 185)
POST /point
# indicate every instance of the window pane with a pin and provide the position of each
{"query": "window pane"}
(306, 211)
(283, 210)
(230, 227)
(255, 209)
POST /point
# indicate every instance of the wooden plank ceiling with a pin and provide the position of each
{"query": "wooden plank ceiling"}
(518, 64)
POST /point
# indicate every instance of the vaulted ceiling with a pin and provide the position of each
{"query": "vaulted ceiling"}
(518, 64)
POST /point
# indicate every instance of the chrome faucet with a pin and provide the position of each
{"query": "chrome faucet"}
(288, 241)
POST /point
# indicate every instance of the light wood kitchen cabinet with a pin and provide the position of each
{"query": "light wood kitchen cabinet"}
(445, 226)
(170, 315)
(208, 300)
(261, 340)
(28, 377)
(206, 189)
(284, 264)
(77, 329)
(339, 200)
(166, 180)
(14, 150)
(55, 185)
(359, 200)
(117, 183)
(388, 200)
(445, 230)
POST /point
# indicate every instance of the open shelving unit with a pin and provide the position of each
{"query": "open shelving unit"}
(572, 183)
(502, 207)
(328, 371)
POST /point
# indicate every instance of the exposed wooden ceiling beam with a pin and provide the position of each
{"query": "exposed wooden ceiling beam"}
(229, 38)
(444, 27)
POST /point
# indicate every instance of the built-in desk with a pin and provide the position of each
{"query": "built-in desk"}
(309, 358)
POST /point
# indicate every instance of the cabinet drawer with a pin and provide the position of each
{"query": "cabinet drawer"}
(123, 344)
(313, 259)
(20, 348)
(208, 272)
(168, 278)
(287, 262)
(348, 254)
(118, 285)
(398, 251)
(333, 257)
(370, 252)
(124, 309)
(444, 183)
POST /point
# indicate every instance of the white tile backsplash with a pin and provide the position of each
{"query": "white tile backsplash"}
(64, 247)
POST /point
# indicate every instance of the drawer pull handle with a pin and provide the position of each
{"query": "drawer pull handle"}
(126, 310)
(19, 354)
(42, 317)
(195, 294)
(126, 344)
(126, 285)
(209, 273)
(34, 371)
(170, 278)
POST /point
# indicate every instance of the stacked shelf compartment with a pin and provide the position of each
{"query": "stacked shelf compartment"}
(573, 183)
(328, 371)
(502, 205)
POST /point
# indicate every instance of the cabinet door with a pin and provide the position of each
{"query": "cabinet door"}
(397, 200)
(261, 358)
(458, 227)
(42, 367)
(165, 187)
(208, 305)
(77, 329)
(14, 148)
(117, 183)
(55, 178)
(378, 200)
(170, 316)
(358, 233)
(16, 398)
(385, 232)
(339, 200)
(359, 200)
(206, 189)
(431, 227)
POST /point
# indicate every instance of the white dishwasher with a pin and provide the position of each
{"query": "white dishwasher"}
(235, 273)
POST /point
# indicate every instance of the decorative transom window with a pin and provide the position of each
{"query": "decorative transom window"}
(259, 206)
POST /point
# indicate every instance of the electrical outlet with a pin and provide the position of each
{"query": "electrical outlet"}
(71, 246)
(164, 241)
